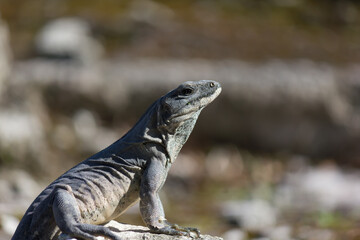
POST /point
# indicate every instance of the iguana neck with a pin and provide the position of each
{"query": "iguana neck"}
(175, 141)
(151, 129)
(145, 130)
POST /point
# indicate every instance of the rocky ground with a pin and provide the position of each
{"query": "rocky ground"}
(131, 232)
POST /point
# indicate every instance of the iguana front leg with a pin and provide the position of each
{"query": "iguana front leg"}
(151, 207)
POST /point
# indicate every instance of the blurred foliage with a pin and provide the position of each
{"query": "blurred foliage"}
(248, 29)
(332, 220)
(6, 159)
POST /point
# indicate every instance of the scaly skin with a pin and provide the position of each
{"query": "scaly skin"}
(133, 168)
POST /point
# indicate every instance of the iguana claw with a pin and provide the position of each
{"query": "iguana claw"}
(174, 229)
(188, 230)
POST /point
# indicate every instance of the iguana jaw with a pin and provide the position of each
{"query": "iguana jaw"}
(182, 107)
(180, 112)
(206, 100)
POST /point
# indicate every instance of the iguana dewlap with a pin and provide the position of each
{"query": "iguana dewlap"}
(133, 168)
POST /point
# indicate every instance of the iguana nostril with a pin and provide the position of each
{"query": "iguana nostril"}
(212, 84)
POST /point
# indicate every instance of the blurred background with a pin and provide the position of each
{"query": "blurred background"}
(276, 156)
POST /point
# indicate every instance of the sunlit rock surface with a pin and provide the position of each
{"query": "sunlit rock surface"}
(132, 232)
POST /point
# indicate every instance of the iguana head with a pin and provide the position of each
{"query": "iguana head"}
(179, 110)
(186, 101)
(170, 120)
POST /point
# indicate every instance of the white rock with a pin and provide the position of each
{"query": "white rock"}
(280, 233)
(320, 189)
(64, 236)
(20, 130)
(85, 124)
(235, 234)
(306, 232)
(92, 136)
(17, 190)
(69, 37)
(9, 223)
(223, 163)
(251, 215)
(132, 232)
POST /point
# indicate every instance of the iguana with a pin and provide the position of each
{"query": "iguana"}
(133, 168)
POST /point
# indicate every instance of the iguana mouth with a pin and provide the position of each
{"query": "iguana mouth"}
(210, 98)
(203, 102)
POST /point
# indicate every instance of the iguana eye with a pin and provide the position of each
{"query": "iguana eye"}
(187, 91)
